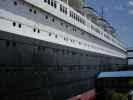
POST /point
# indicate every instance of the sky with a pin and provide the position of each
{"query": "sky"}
(120, 14)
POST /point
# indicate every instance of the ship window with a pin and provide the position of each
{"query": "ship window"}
(52, 3)
(45, 0)
(55, 5)
(19, 25)
(15, 3)
(56, 36)
(49, 2)
(74, 29)
(61, 8)
(34, 30)
(38, 31)
(61, 24)
(30, 10)
(65, 10)
(46, 17)
(76, 17)
(34, 11)
(50, 34)
(53, 20)
(14, 24)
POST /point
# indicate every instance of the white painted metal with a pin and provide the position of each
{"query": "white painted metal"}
(8, 17)
(56, 12)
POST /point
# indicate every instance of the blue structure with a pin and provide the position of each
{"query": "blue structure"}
(115, 74)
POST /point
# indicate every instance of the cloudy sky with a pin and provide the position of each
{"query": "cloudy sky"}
(120, 14)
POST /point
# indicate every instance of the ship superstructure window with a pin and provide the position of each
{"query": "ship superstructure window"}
(50, 34)
(49, 2)
(56, 36)
(53, 20)
(14, 23)
(45, 0)
(15, 3)
(61, 24)
(30, 10)
(53, 3)
(63, 9)
(46, 17)
(19, 25)
(34, 30)
(38, 31)
(35, 12)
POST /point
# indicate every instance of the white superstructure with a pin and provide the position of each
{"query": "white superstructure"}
(55, 21)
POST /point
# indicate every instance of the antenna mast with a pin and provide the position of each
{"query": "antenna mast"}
(102, 12)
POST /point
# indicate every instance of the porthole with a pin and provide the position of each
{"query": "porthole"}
(14, 24)
(45, 0)
(30, 10)
(50, 34)
(38, 31)
(49, 2)
(61, 24)
(34, 30)
(15, 3)
(53, 20)
(56, 36)
(19, 25)
(46, 17)
(35, 12)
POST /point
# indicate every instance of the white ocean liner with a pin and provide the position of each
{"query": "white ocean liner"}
(71, 44)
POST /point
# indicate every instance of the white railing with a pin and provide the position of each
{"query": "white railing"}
(7, 18)
(86, 27)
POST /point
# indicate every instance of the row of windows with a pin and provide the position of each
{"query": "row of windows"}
(98, 31)
(53, 3)
(72, 14)
(36, 30)
(63, 9)
(76, 17)
(53, 20)
(74, 29)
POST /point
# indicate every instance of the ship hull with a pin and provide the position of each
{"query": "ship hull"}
(37, 70)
